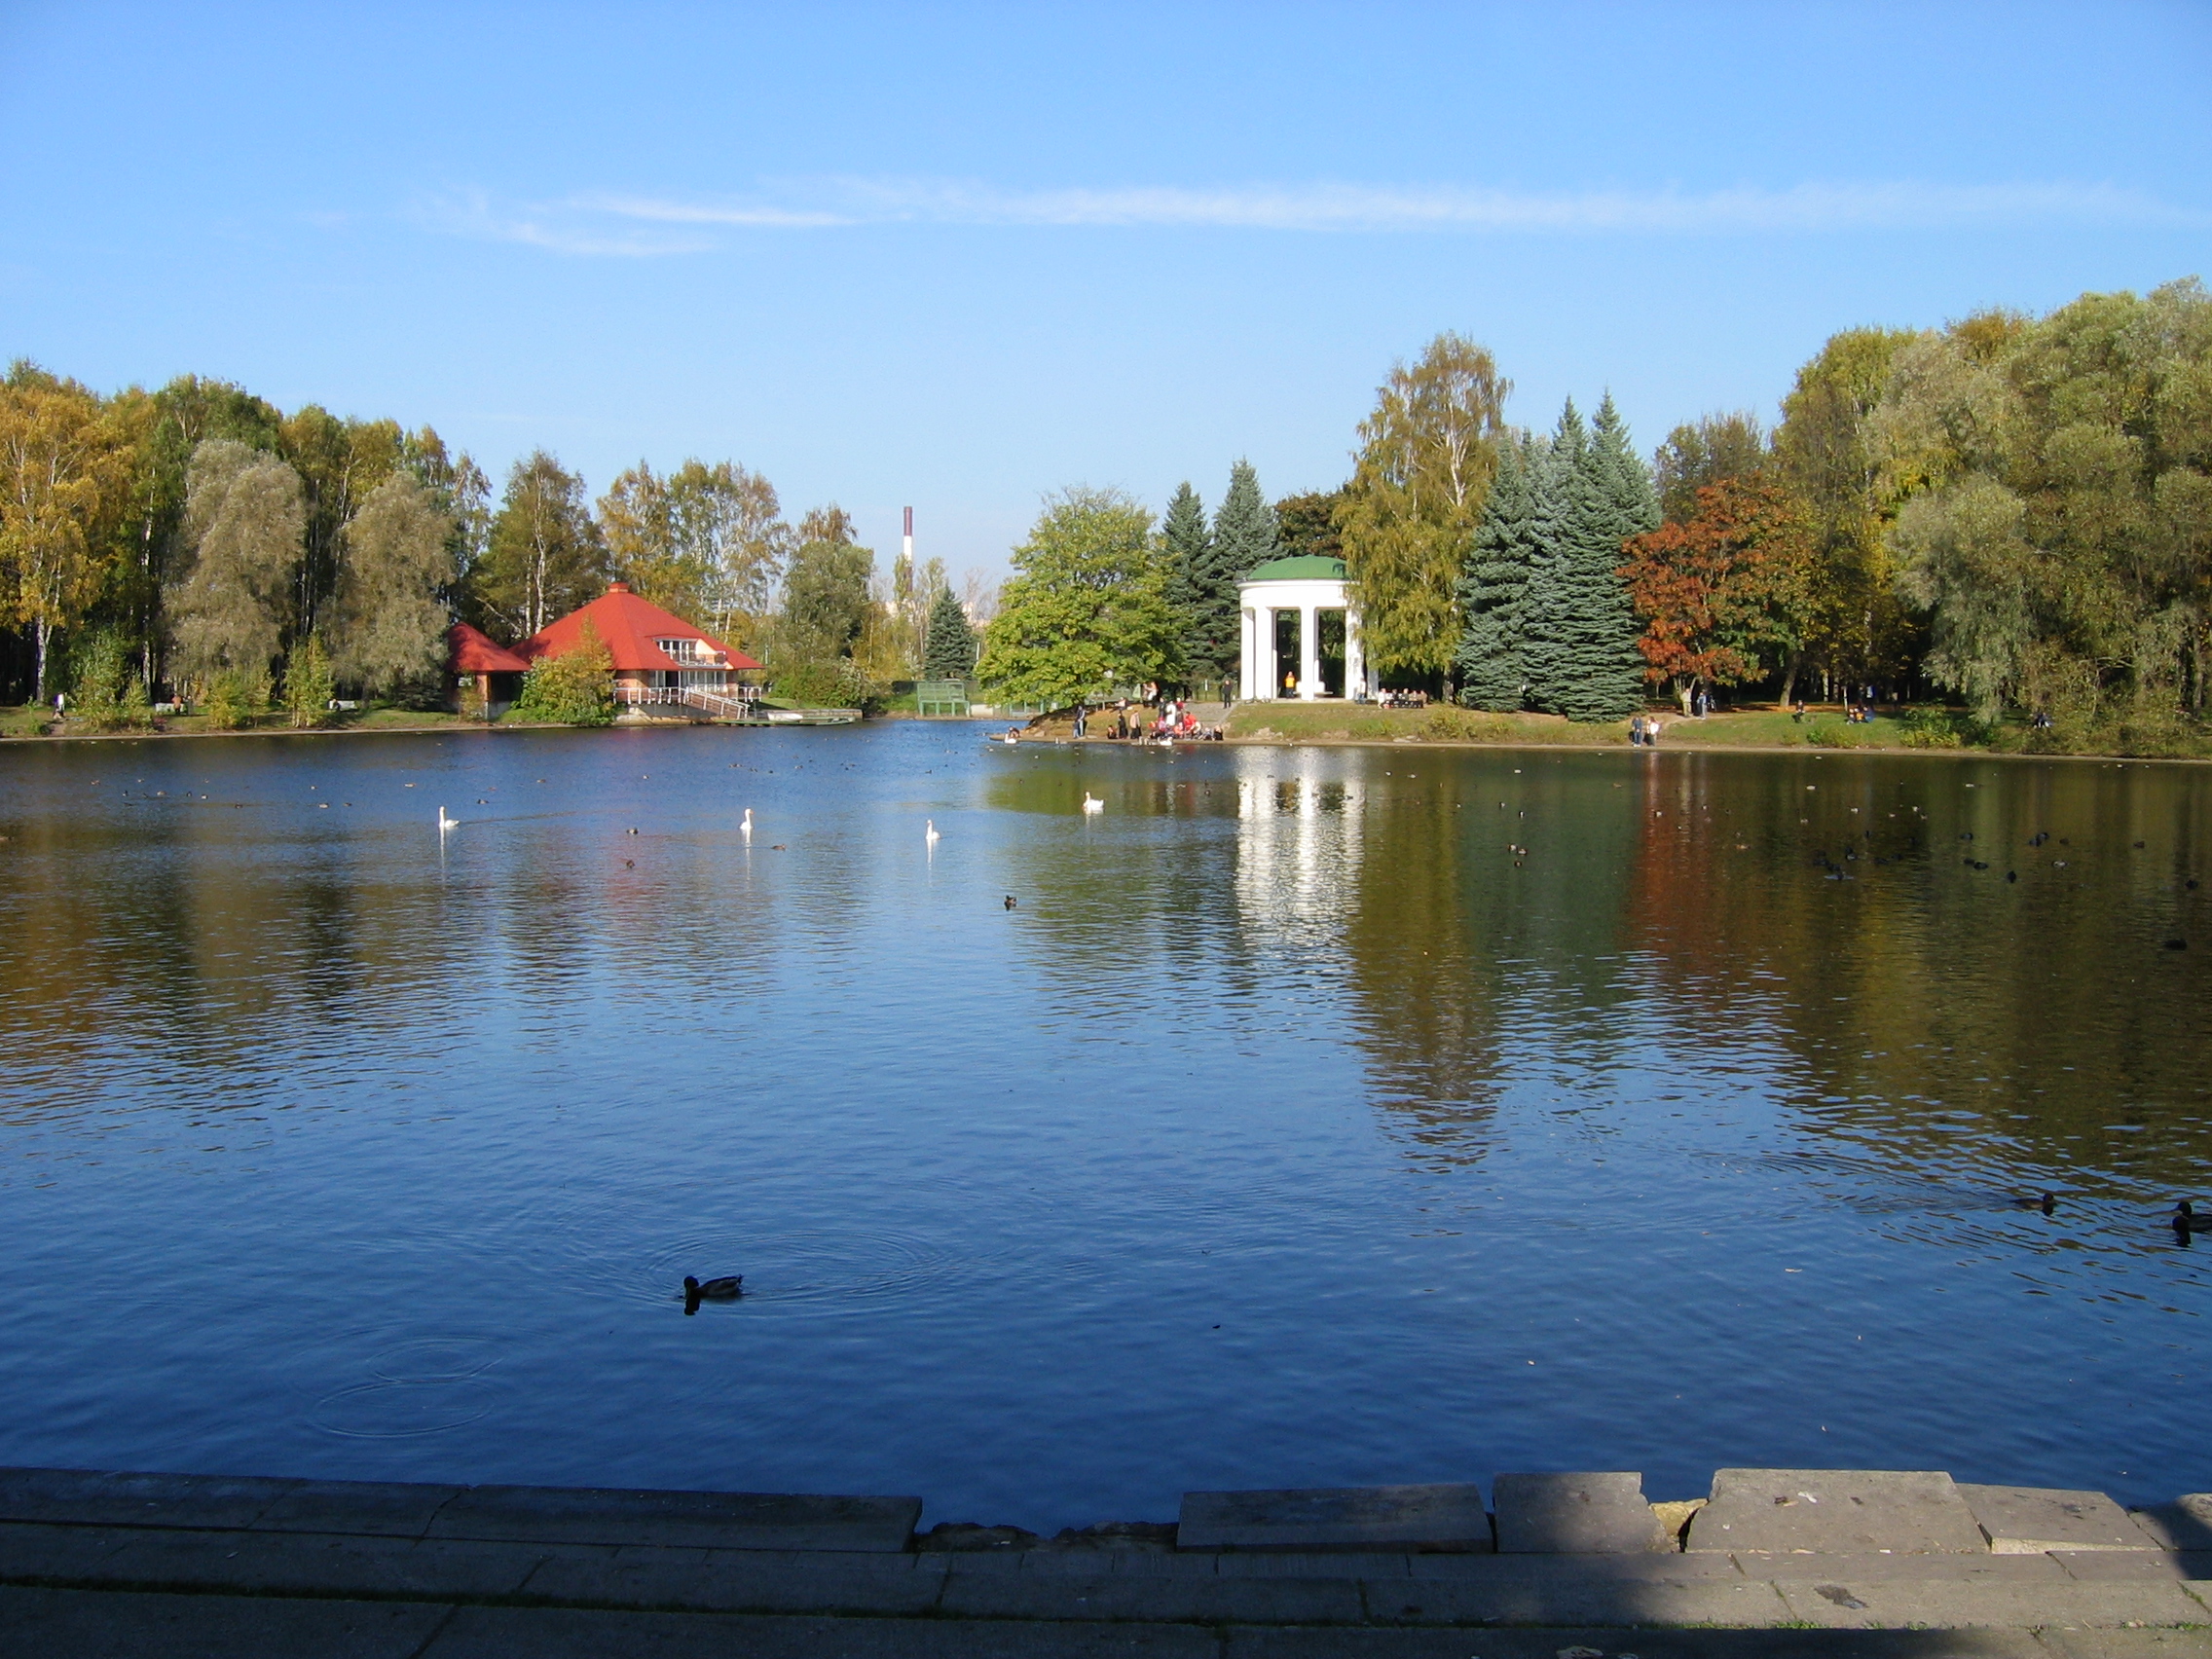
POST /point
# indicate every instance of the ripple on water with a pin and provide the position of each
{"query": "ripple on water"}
(429, 1385)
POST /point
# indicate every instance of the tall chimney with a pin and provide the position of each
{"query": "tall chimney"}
(907, 552)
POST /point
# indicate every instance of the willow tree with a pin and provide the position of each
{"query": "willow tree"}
(245, 518)
(389, 619)
(1428, 455)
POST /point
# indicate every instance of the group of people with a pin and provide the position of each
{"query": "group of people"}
(1643, 732)
(1135, 721)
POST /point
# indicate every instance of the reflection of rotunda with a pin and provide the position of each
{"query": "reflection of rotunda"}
(1281, 607)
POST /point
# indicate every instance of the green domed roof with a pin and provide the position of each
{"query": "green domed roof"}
(1303, 566)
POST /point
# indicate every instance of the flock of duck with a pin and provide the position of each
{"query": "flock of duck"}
(2183, 1217)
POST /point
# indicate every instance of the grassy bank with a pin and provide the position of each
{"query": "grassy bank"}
(30, 721)
(1922, 729)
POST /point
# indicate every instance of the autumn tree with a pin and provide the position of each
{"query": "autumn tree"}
(1709, 450)
(1427, 454)
(245, 513)
(1086, 612)
(1724, 593)
(1826, 453)
(545, 556)
(62, 477)
(388, 621)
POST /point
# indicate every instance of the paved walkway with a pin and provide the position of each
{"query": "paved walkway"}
(165, 1567)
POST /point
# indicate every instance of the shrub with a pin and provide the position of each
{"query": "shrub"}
(575, 688)
(106, 694)
(308, 682)
(236, 698)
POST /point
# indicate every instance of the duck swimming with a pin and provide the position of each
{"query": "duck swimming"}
(727, 1289)
(2186, 1220)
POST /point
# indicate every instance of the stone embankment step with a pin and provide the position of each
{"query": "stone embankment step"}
(1775, 1561)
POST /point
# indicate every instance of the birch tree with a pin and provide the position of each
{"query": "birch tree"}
(60, 474)
(1426, 458)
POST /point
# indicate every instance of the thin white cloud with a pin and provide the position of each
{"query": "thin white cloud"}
(560, 230)
(594, 224)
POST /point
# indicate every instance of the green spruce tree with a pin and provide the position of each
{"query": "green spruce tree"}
(1246, 534)
(1495, 590)
(1581, 631)
(1191, 577)
(949, 646)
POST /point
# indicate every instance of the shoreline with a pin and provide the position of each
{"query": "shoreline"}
(96, 1561)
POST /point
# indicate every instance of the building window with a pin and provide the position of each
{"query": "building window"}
(681, 650)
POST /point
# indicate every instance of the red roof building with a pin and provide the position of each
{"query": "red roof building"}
(481, 676)
(658, 656)
(471, 650)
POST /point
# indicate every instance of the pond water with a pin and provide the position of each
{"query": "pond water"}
(1314, 1117)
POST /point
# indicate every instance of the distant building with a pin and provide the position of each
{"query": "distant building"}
(660, 660)
(481, 676)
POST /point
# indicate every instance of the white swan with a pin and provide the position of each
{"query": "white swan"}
(746, 828)
(1091, 804)
(445, 823)
(929, 834)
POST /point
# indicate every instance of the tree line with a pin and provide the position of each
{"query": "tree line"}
(2010, 512)
(2014, 512)
(197, 537)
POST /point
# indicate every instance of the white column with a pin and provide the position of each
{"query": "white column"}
(1355, 656)
(1244, 662)
(1309, 651)
(1271, 686)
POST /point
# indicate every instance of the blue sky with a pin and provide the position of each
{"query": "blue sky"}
(961, 257)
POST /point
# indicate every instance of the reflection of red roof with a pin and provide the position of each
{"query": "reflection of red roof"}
(628, 626)
(471, 650)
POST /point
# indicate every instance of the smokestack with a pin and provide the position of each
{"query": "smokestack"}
(907, 552)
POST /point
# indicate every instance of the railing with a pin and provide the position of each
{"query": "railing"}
(737, 705)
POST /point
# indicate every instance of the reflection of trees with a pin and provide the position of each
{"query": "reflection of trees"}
(1103, 900)
(1455, 938)
(1920, 989)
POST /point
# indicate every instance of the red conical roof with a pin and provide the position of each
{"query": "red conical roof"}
(628, 626)
(471, 650)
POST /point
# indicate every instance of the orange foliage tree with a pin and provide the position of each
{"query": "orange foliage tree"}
(1724, 595)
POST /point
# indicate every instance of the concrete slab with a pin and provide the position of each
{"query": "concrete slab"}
(717, 1519)
(31, 1550)
(92, 1624)
(113, 1497)
(2127, 1643)
(2030, 1519)
(2016, 1570)
(1580, 1514)
(1903, 1604)
(514, 1633)
(322, 1565)
(728, 1581)
(971, 1594)
(1449, 1517)
(1836, 1512)
(381, 1509)
(2186, 1566)
(1686, 1599)
(1602, 1643)
(2186, 1524)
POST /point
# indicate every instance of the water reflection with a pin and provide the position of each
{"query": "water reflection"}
(1303, 1099)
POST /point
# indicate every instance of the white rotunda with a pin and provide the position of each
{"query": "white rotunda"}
(1301, 587)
